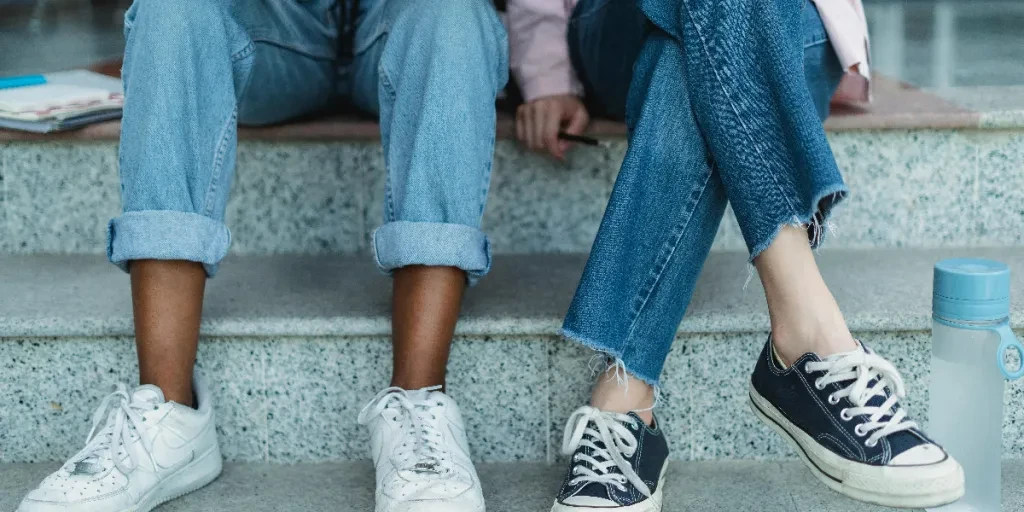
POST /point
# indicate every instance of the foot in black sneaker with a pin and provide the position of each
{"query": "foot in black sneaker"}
(618, 463)
(842, 416)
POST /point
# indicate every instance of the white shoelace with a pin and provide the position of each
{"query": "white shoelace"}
(425, 452)
(617, 443)
(115, 424)
(862, 367)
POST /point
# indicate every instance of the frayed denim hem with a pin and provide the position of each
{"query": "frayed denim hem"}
(815, 221)
(614, 356)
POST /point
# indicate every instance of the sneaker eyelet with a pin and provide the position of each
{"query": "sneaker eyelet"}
(871, 444)
(833, 399)
(807, 369)
(860, 433)
(845, 415)
(818, 385)
(576, 470)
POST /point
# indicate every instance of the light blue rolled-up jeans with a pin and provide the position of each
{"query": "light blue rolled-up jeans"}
(193, 70)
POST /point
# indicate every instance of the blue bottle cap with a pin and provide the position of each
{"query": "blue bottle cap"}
(971, 290)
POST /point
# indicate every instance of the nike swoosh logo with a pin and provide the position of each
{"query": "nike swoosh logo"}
(167, 457)
(178, 465)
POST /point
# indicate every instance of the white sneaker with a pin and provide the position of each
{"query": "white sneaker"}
(420, 451)
(142, 451)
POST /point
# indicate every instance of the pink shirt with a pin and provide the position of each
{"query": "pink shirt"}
(539, 47)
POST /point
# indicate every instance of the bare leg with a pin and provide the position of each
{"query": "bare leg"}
(804, 315)
(425, 308)
(167, 298)
(632, 395)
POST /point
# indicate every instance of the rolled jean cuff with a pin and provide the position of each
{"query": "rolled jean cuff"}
(436, 244)
(167, 235)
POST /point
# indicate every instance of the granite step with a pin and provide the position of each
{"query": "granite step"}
(741, 486)
(296, 344)
(921, 187)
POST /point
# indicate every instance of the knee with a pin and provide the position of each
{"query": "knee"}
(455, 31)
(177, 24)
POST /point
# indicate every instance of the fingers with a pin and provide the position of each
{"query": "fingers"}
(576, 125)
(521, 124)
(550, 125)
(538, 123)
(578, 122)
(531, 127)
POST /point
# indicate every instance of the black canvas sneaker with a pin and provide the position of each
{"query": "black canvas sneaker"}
(618, 463)
(843, 418)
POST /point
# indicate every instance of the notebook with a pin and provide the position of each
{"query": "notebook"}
(69, 99)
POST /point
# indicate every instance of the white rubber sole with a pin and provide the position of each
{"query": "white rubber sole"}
(196, 475)
(652, 504)
(925, 486)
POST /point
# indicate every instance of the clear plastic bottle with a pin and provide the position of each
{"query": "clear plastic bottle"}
(970, 335)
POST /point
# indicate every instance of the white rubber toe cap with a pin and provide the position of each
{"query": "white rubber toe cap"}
(919, 456)
(589, 501)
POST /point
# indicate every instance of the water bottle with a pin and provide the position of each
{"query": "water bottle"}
(970, 339)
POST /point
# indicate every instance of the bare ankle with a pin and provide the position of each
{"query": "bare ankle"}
(792, 342)
(623, 393)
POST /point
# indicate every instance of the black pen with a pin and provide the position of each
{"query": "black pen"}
(590, 141)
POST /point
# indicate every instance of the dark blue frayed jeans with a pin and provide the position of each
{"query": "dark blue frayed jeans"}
(725, 106)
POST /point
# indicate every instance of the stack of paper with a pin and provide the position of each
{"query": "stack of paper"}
(67, 100)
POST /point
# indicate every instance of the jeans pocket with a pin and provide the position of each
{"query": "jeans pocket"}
(814, 32)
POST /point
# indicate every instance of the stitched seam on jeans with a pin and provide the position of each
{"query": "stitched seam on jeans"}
(218, 163)
(739, 118)
(303, 50)
(660, 265)
(246, 51)
(389, 203)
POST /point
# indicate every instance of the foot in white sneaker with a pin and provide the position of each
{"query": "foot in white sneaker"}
(142, 451)
(420, 451)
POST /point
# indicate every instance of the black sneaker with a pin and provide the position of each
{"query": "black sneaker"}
(842, 417)
(618, 463)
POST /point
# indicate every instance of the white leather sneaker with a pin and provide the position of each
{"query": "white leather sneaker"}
(420, 451)
(142, 451)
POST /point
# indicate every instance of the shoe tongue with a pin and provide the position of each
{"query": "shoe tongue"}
(148, 393)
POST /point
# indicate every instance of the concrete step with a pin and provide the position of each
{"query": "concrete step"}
(297, 344)
(946, 187)
(742, 486)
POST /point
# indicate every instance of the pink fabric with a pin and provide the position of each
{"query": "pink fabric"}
(539, 47)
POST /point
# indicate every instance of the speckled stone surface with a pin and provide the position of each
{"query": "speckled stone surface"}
(910, 188)
(539, 204)
(296, 400)
(999, 217)
(296, 353)
(317, 387)
(59, 196)
(740, 486)
(52, 386)
(300, 198)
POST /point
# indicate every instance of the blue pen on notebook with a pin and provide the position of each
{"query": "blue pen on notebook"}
(21, 81)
